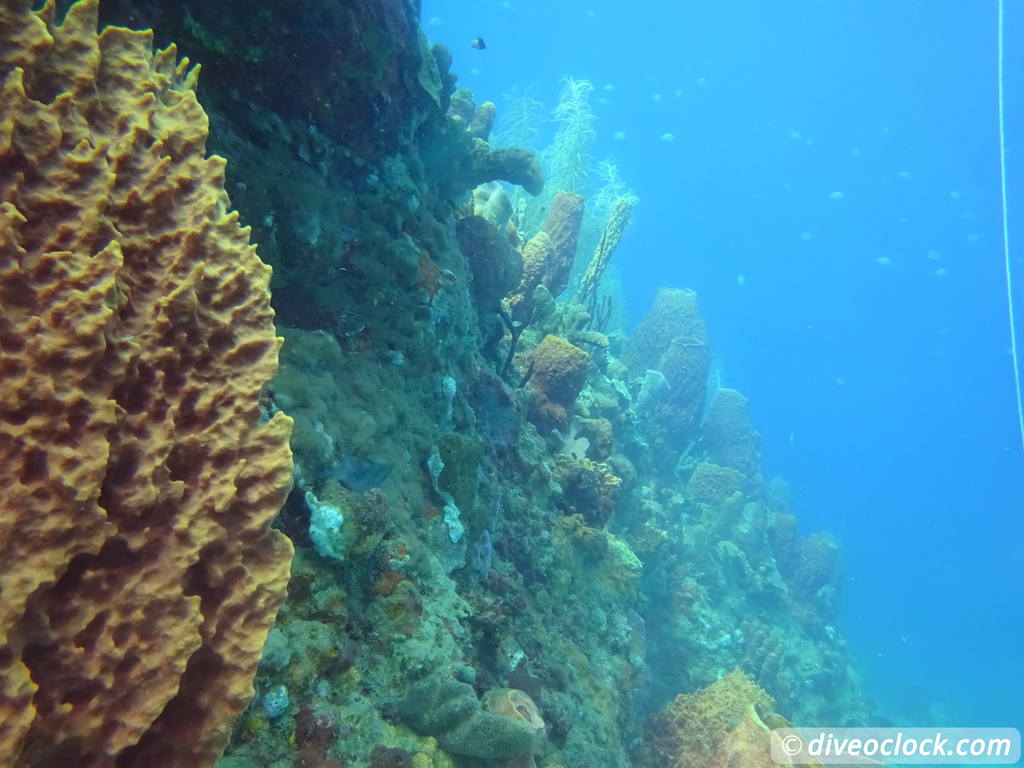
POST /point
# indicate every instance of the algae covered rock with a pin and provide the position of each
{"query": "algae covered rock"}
(589, 488)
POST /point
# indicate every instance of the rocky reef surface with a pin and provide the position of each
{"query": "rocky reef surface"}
(523, 537)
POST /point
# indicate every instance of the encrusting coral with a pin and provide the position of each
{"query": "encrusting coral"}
(140, 576)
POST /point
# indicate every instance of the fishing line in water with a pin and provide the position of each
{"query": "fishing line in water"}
(1006, 235)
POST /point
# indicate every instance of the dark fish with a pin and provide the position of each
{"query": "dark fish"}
(478, 43)
(358, 475)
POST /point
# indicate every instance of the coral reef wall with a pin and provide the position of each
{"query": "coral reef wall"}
(518, 537)
(140, 575)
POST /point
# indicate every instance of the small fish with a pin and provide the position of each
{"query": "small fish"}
(478, 43)
(669, 137)
(941, 271)
(885, 261)
(619, 135)
(356, 474)
(741, 280)
(836, 195)
(656, 97)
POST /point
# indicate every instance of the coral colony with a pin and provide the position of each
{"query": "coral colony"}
(435, 508)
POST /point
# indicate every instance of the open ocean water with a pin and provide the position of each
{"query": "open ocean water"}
(826, 176)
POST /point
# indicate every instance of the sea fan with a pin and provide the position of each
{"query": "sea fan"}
(568, 157)
(520, 121)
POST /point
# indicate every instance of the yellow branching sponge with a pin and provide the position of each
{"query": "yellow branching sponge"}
(139, 576)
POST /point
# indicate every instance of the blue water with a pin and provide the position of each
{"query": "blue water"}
(832, 193)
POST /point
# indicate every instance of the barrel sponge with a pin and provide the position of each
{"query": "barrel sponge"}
(559, 373)
(694, 727)
(685, 365)
(712, 484)
(729, 437)
(814, 563)
(140, 574)
(675, 314)
(507, 725)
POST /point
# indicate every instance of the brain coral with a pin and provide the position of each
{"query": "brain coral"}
(137, 483)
